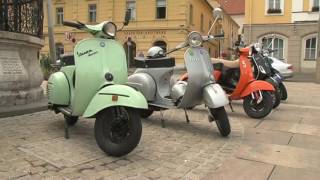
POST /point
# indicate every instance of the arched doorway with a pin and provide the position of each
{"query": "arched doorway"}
(161, 44)
(59, 50)
(130, 49)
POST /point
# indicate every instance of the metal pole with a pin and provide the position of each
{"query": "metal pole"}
(50, 33)
(318, 54)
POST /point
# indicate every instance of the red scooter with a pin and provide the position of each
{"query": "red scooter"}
(237, 79)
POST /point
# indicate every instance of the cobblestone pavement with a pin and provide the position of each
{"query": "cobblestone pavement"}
(32, 147)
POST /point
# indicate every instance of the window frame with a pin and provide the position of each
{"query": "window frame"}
(59, 20)
(314, 8)
(89, 11)
(310, 48)
(191, 14)
(202, 22)
(269, 39)
(59, 46)
(166, 9)
(132, 18)
(267, 8)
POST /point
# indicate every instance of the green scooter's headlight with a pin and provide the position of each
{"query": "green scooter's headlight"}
(109, 29)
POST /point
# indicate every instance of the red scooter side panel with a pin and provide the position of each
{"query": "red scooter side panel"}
(256, 86)
(217, 75)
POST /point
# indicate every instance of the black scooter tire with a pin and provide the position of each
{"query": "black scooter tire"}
(221, 118)
(267, 105)
(103, 132)
(283, 90)
(276, 97)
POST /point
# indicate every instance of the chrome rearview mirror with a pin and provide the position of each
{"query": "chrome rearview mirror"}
(217, 14)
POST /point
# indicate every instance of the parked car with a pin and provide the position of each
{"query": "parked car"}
(285, 69)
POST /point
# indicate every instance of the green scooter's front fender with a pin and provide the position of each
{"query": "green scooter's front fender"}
(127, 96)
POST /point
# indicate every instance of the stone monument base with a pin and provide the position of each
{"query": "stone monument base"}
(20, 74)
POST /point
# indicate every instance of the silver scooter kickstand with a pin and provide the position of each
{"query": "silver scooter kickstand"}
(162, 119)
(187, 117)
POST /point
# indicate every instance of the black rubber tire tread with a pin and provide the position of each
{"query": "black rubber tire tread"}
(267, 104)
(221, 118)
(277, 97)
(283, 90)
(102, 124)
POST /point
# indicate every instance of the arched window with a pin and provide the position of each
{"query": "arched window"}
(161, 44)
(310, 47)
(276, 43)
(59, 50)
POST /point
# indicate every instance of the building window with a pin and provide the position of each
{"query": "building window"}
(161, 9)
(274, 7)
(277, 44)
(161, 44)
(191, 14)
(59, 50)
(201, 23)
(92, 13)
(131, 7)
(311, 49)
(315, 6)
(59, 12)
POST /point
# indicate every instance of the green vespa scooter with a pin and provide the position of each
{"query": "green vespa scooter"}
(91, 84)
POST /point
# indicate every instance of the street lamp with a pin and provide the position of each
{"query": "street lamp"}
(129, 44)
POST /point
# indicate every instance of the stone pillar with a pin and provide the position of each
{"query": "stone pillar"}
(20, 73)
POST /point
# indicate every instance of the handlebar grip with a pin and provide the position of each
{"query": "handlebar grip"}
(72, 24)
(219, 36)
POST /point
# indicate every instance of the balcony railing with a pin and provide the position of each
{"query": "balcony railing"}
(22, 16)
(274, 11)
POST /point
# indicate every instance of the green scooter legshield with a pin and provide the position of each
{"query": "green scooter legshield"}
(93, 85)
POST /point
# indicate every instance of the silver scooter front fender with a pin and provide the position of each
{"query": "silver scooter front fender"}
(214, 96)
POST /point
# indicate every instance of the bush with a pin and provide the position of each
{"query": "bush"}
(315, 9)
(45, 64)
(274, 11)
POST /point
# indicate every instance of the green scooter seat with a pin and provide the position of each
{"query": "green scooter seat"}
(162, 62)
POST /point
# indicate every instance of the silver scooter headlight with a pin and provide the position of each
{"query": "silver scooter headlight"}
(109, 29)
(195, 39)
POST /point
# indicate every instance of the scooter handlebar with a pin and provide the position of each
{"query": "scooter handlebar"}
(72, 24)
(212, 37)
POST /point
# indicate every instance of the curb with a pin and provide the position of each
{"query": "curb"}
(17, 110)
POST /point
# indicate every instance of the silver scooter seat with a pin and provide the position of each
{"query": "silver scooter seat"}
(161, 62)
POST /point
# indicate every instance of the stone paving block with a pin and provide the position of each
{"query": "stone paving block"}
(281, 155)
(305, 129)
(276, 125)
(266, 136)
(305, 141)
(281, 173)
(241, 170)
(40, 144)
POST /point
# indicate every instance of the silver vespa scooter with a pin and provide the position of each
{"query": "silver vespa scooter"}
(153, 75)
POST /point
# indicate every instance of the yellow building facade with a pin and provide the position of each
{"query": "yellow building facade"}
(293, 23)
(164, 23)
